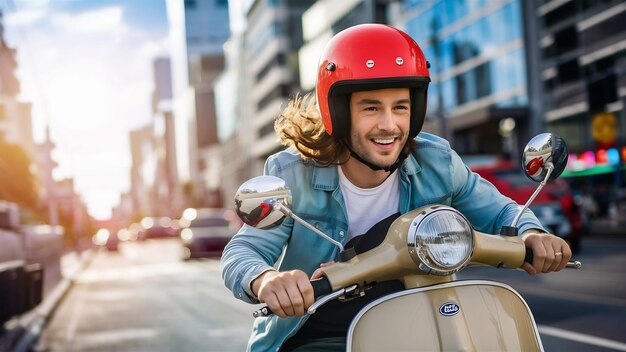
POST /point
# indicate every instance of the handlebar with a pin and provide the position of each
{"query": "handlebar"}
(574, 264)
(321, 287)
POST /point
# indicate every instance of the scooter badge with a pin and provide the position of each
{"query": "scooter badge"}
(449, 309)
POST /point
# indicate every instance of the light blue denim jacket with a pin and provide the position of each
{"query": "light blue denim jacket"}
(432, 174)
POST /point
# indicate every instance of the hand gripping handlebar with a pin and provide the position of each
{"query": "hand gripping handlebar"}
(574, 264)
(321, 287)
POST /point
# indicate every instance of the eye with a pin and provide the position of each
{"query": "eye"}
(370, 108)
(402, 107)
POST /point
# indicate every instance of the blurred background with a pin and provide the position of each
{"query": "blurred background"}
(126, 121)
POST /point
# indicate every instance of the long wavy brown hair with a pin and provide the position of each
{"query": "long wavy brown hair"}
(300, 126)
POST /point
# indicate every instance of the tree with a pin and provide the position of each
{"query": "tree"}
(17, 182)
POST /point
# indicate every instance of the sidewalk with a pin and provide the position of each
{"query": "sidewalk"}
(23, 332)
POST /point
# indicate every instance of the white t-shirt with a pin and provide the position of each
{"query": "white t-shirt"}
(367, 206)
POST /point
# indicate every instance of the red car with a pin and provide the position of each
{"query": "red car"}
(554, 206)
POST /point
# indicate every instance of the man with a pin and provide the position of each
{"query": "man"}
(355, 159)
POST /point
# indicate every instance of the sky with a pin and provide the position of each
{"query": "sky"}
(86, 67)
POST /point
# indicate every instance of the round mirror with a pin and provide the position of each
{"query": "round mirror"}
(543, 152)
(255, 199)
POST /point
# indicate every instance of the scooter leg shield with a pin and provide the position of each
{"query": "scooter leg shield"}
(473, 315)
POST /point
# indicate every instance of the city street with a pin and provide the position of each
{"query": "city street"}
(144, 123)
(144, 298)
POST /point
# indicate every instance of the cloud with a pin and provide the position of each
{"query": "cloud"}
(24, 17)
(153, 49)
(105, 20)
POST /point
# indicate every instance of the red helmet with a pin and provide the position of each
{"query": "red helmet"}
(369, 57)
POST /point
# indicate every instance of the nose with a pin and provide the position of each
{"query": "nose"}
(386, 121)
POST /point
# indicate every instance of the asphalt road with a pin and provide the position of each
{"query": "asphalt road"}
(144, 298)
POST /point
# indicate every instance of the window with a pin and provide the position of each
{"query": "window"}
(573, 130)
(352, 18)
(268, 128)
(604, 29)
(449, 91)
(281, 91)
(422, 28)
(190, 4)
(508, 71)
(566, 40)
(568, 71)
(560, 14)
(278, 61)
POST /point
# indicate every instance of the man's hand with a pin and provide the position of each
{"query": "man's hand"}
(318, 272)
(550, 253)
(287, 293)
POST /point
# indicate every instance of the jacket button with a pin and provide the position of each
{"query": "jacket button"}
(341, 233)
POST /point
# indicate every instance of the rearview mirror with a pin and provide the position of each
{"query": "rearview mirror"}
(545, 154)
(255, 200)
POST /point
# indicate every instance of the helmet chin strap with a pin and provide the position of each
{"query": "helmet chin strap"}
(390, 168)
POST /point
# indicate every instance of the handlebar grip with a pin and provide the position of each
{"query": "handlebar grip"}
(573, 264)
(321, 287)
(529, 255)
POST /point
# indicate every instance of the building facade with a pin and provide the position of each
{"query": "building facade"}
(165, 193)
(198, 30)
(271, 40)
(583, 47)
(15, 116)
(478, 70)
(583, 73)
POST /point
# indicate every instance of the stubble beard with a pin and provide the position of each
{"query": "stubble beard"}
(361, 148)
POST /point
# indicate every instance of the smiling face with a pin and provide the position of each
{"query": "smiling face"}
(379, 124)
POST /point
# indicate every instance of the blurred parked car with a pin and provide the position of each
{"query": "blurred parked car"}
(105, 239)
(554, 206)
(207, 231)
(157, 227)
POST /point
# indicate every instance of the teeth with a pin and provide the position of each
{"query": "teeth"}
(384, 141)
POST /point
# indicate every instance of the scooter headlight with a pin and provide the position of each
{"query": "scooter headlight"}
(440, 240)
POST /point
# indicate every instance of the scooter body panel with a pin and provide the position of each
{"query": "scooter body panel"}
(472, 315)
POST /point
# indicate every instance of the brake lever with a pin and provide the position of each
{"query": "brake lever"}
(325, 299)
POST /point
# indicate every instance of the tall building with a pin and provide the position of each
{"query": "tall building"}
(198, 30)
(583, 47)
(583, 73)
(478, 95)
(164, 193)
(233, 123)
(15, 117)
(9, 85)
(325, 19)
(271, 41)
(143, 170)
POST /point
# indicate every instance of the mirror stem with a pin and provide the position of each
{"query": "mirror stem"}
(550, 167)
(285, 210)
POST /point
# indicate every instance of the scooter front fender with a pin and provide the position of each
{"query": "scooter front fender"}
(471, 315)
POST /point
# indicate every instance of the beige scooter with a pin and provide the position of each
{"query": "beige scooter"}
(424, 248)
